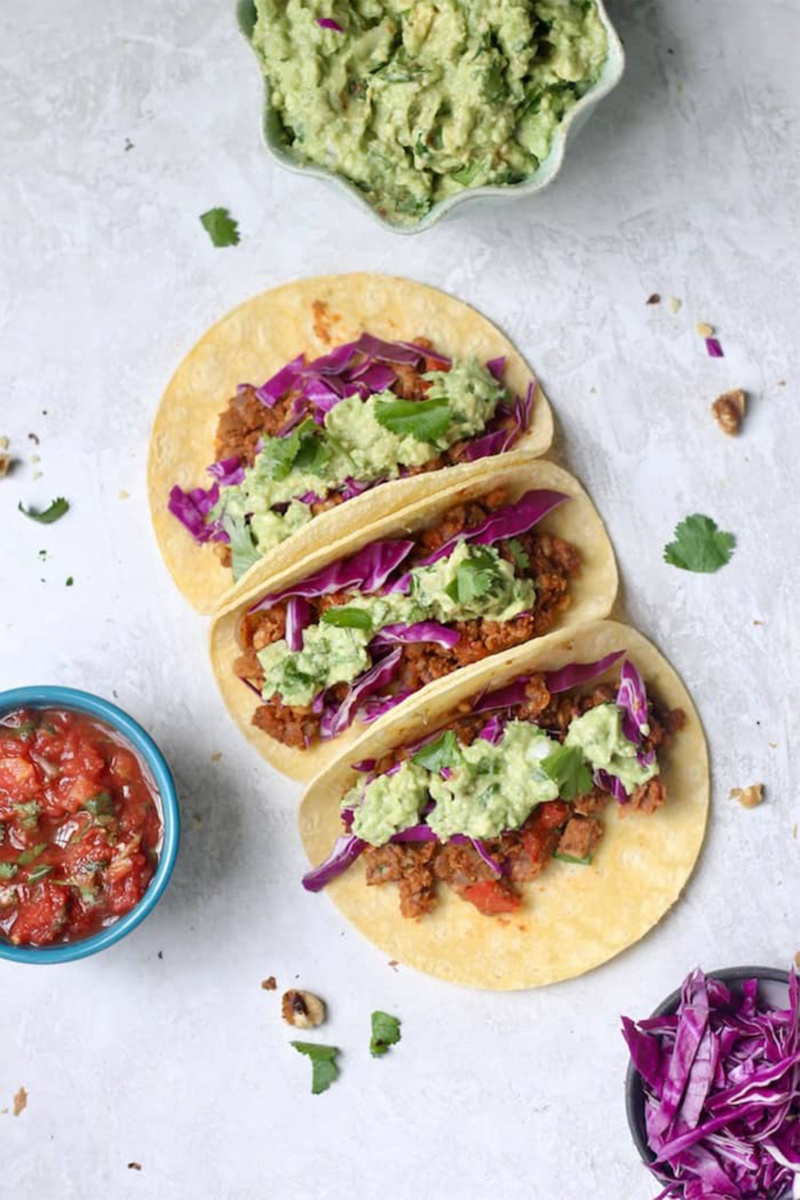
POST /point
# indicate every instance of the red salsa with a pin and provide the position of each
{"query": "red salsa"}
(80, 826)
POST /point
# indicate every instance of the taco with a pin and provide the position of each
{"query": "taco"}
(306, 658)
(356, 383)
(523, 823)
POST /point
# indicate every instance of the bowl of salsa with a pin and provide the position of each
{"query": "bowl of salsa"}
(89, 824)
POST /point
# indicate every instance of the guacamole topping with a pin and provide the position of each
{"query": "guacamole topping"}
(367, 440)
(486, 788)
(413, 101)
(471, 581)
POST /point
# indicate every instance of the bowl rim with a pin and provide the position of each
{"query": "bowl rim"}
(634, 1090)
(53, 695)
(613, 69)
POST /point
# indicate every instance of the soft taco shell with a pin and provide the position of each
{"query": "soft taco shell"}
(254, 341)
(593, 591)
(574, 917)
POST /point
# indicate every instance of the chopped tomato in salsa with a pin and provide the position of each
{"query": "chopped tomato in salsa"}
(80, 826)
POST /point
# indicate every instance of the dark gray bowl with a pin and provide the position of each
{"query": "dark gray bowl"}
(773, 987)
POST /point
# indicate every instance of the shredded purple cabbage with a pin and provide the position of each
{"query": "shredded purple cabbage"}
(378, 706)
(498, 437)
(493, 730)
(609, 783)
(496, 366)
(722, 1091)
(367, 570)
(191, 508)
(576, 674)
(329, 23)
(632, 699)
(336, 718)
(714, 348)
(298, 615)
(345, 852)
(227, 472)
(422, 631)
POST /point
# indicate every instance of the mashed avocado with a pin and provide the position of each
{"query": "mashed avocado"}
(598, 733)
(491, 788)
(472, 581)
(365, 440)
(414, 99)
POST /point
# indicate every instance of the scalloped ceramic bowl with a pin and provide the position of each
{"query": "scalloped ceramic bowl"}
(488, 195)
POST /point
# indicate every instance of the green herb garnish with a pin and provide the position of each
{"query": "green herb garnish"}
(699, 545)
(46, 516)
(567, 768)
(242, 547)
(385, 1033)
(521, 559)
(570, 858)
(476, 576)
(28, 856)
(348, 618)
(8, 870)
(100, 805)
(70, 581)
(441, 753)
(323, 1063)
(425, 420)
(37, 873)
(220, 227)
(304, 449)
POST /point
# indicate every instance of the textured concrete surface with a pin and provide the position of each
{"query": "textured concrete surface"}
(119, 124)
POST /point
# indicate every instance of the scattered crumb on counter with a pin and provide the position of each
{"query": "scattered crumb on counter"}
(134, 1166)
(749, 797)
(33, 438)
(36, 458)
(781, 383)
(5, 464)
(772, 745)
(37, 475)
(268, 984)
(654, 299)
(758, 622)
(674, 304)
(729, 410)
(794, 831)
(20, 1102)
(69, 581)
(303, 1010)
(123, 495)
(3, 443)
(393, 963)
(160, 954)
(704, 329)
(197, 821)
(216, 756)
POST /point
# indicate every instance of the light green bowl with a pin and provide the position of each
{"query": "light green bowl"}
(544, 175)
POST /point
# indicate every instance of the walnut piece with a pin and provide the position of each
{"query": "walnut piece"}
(302, 1009)
(749, 797)
(269, 984)
(729, 409)
(5, 463)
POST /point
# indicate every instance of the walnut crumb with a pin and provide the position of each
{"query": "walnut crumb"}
(302, 1009)
(704, 329)
(20, 1102)
(269, 985)
(216, 756)
(134, 1166)
(729, 409)
(749, 797)
(5, 463)
(654, 299)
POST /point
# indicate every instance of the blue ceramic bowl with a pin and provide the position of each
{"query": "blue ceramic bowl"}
(46, 696)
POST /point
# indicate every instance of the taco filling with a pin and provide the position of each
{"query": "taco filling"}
(366, 632)
(319, 433)
(484, 804)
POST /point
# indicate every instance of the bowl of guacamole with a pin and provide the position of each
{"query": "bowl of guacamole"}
(413, 106)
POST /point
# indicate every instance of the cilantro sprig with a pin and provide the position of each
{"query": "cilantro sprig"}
(220, 227)
(425, 420)
(567, 768)
(347, 617)
(46, 516)
(441, 753)
(323, 1064)
(385, 1033)
(699, 545)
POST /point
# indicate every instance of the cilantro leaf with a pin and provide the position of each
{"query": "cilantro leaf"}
(220, 227)
(37, 873)
(476, 576)
(46, 516)
(567, 768)
(347, 618)
(242, 546)
(8, 870)
(425, 420)
(100, 805)
(304, 449)
(699, 545)
(441, 753)
(385, 1033)
(323, 1064)
(521, 559)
